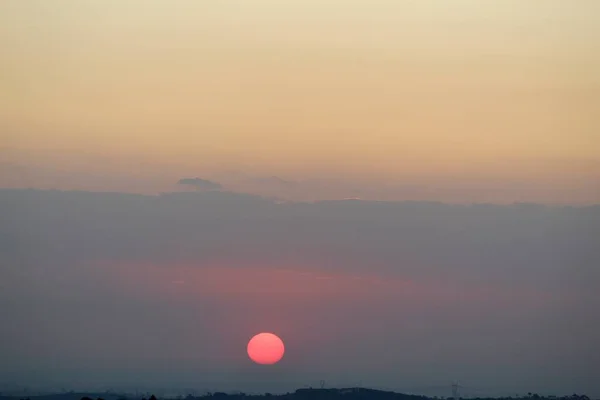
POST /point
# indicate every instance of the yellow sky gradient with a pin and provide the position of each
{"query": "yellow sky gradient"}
(384, 90)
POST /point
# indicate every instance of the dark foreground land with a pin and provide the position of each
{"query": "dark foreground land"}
(300, 394)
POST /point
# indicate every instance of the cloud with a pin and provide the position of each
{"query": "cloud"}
(275, 180)
(504, 295)
(201, 184)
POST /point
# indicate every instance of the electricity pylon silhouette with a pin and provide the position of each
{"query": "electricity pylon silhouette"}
(455, 390)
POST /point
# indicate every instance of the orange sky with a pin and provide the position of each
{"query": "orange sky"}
(381, 91)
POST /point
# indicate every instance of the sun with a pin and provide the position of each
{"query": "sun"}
(265, 348)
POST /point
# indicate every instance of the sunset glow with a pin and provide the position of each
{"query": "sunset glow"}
(407, 100)
(405, 191)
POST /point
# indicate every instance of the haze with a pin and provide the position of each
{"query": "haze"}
(116, 290)
(405, 191)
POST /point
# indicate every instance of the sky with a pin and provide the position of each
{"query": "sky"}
(462, 101)
(141, 292)
(407, 192)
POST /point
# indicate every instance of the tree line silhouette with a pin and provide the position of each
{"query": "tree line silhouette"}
(340, 394)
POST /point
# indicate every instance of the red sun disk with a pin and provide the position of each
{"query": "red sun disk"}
(265, 348)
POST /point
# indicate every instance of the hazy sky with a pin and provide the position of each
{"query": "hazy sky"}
(468, 101)
(495, 100)
(125, 291)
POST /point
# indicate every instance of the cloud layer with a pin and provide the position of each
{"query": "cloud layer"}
(166, 290)
(199, 183)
